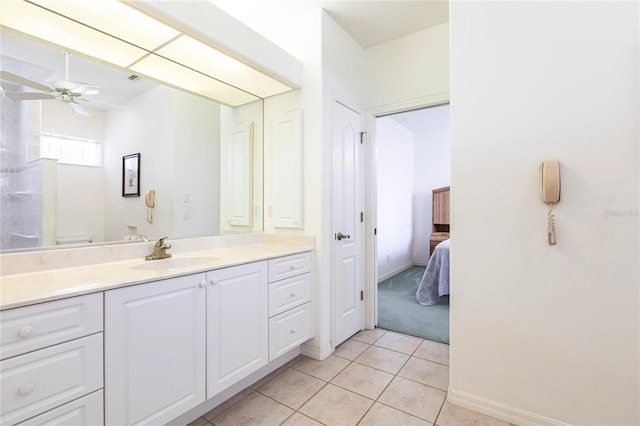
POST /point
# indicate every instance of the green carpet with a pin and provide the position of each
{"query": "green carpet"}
(398, 309)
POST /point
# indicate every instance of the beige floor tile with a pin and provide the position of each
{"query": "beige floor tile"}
(323, 370)
(292, 388)
(414, 398)
(350, 349)
(200, 421)
(266, 379)
(254, 410)
(381, 415)
(433, 351)
(300, 420)
(366, 381)
(336, 406)
(426, 372)
(382, 359)
(227, 404)
(399, 343)
(369, 336)
(452, 415)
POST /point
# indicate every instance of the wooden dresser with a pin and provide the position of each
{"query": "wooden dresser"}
(440, 218)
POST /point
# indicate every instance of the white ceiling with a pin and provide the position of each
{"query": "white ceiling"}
(369, 22)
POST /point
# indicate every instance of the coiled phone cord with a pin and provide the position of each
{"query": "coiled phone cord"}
(551, 226)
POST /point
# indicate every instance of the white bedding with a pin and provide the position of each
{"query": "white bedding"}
(435, 281)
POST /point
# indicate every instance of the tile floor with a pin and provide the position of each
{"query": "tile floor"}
(376, 378)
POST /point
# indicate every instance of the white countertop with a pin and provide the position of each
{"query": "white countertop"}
(35, 287)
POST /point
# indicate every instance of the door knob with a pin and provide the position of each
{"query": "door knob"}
(340, 236)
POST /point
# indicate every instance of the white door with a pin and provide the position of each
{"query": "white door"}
(237, 324)
(154, 350)
(347, 221)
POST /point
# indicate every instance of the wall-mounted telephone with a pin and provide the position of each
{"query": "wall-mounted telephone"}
(150, 201)
(551, 195)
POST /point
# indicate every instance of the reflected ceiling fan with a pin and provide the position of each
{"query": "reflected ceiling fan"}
(67, 91)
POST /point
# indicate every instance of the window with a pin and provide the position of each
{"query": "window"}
(70, 150)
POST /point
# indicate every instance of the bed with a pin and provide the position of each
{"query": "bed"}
(435, 281)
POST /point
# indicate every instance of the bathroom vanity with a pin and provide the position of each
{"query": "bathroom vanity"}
(135, 342)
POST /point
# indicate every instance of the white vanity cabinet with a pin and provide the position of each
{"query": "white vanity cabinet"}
(237, 324)
(51, 364)
(290, 322)
(154, 350)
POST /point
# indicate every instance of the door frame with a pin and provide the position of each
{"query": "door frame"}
(359, 111)
(370, 191)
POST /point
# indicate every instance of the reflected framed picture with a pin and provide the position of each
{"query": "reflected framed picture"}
(131, 175)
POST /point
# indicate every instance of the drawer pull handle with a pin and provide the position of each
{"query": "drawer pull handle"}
(293, 330)
(293, 294)
(25, 390)
(26, 332)
(213, 282)
(202, 284)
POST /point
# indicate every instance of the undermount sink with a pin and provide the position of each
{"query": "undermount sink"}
(173, 262)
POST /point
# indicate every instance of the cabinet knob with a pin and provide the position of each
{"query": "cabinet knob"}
(293, 330)
(293, 294)
(202, 284)
(26, 332)
(213, 281)
(25, 390)
(292, 267)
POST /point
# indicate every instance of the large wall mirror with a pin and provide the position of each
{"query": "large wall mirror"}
(68, 170)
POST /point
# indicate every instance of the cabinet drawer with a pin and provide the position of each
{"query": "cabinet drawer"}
(289, 330)
(45, 379)
(38, 326)
(85, 411)
(289, 266)
(289, 293)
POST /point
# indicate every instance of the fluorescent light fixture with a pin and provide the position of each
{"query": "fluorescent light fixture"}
(197, 55)
(116, 19)
(116, 33)
(179, 76)
(54, 29)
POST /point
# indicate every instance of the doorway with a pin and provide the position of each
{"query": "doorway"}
(412, 160)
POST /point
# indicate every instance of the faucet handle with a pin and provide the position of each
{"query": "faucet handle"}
(160, 242)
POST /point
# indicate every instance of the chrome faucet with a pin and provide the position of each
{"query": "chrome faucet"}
(159, 250)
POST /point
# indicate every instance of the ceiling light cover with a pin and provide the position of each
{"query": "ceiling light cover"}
(36, 22)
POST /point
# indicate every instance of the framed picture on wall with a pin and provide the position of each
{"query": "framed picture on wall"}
(131, 175)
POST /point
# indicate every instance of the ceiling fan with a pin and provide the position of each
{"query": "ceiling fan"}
(67, 91)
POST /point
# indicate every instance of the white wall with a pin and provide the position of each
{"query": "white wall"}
(79, 200)
(196, 167)
(409, 69)
(395, 149)
(433, 170)
(536, 330)
(151, 134)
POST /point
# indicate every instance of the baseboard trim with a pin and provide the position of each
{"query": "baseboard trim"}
(315, 352)
(499, 410)
(394, 272)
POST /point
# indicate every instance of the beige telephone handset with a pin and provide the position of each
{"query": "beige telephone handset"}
(551, 195)
(150, 201)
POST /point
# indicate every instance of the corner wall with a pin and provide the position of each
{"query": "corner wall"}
(545, 334)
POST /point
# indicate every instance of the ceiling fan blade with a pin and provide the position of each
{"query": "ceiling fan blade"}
(9, 76)
(28, 96)
(86, 89)
(79, 109)
(89, 101)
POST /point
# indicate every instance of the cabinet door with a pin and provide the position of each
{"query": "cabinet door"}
(237, 324)
(154, 350)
